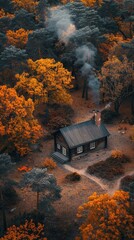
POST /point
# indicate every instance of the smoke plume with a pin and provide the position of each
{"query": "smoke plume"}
(60, 21)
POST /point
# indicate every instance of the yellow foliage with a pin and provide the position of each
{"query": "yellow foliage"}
(17, 122)
(18, 38)
(28, 231)
(47, 81)
(106, 217)
(49, 163)
(117, 154)
(29, 5)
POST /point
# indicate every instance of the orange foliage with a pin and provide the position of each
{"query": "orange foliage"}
(106, 217)
(49, 163)
(91, 3)
(111, 42)
(28, 231)
(5, 14)
(18, 38)
(24, 169)
(17, 120)
(117, 154)
(47, 81)
(29, 5)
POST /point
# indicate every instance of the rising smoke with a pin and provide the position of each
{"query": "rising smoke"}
(86, 57)
(60, 21)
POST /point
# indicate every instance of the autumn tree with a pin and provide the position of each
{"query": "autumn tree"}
(120, 12)
(18, 127)
(116, 80)
(51, 81)
(5, 14)
(106, 217)
(29, 230)
(92, 3)
(29, 5)
(45, 187)
(17, 38)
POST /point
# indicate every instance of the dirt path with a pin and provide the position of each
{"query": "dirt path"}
(83, 172)
(105, 185)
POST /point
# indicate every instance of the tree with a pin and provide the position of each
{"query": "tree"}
(5, 14)
(19, 129)
(121, 13)
(30, 87)
(17, 38)
(116, 80)
(5, 166)
(23, 19)
(28, 231)
(12, 60)
(54, 81)
(44, 185)
(106, 217)
(29, 5)
(92, 3)
(41, 44)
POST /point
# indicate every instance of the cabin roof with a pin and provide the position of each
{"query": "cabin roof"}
(81, 133)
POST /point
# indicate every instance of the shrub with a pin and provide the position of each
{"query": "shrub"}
(110, 168)
(49, 163)
(117, 154)
(108, 115)
(73, 177)
(24, 169)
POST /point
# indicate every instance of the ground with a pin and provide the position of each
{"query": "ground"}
(75, 194)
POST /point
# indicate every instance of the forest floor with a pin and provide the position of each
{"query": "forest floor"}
(75, 194)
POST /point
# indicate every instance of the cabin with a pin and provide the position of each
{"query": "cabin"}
(80, 138)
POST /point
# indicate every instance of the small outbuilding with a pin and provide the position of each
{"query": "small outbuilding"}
(80, 138)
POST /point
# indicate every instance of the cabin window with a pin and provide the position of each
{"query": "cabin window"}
(58, 146)
(92, 145)
(64, 151)
(80, 149)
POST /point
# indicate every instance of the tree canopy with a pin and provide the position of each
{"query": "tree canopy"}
(106, 217)
(19, 129)
(47, 80)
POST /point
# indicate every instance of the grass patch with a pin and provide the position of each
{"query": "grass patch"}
(109, 169)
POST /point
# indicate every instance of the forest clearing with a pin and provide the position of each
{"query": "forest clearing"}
(66, 120)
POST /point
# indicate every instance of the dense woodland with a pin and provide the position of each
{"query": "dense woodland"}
(48, 50)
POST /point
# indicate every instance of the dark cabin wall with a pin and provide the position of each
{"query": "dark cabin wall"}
(58, 138)
(99, 144)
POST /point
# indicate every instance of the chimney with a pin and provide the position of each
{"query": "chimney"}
(98, 118)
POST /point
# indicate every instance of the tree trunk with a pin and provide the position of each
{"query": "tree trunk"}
(37, 208)
(132, 103)
(85, 90)
(3, 212)
(131, 30)
(116, 107)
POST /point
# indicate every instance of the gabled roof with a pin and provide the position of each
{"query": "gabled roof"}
(81, 133)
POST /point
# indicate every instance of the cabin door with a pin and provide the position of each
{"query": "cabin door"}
(64, 151)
